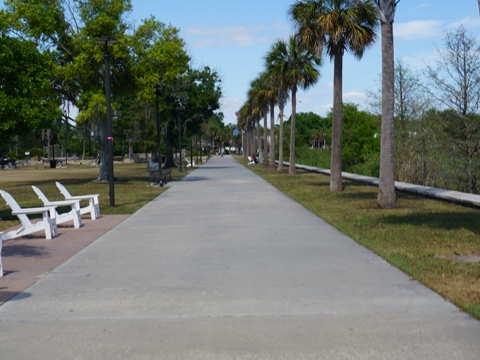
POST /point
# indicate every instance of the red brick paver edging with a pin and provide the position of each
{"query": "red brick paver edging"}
(28, 259)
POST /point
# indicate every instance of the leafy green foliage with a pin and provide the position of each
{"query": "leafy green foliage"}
(360, 136)
(361, 144)
(142, 58)
(27, 99)
(309, 126)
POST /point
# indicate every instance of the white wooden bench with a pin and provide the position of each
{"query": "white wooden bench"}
(189, 163)
(73, 215)
(93, 204)
(47, 224)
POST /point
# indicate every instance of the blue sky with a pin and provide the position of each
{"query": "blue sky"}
(233, 36)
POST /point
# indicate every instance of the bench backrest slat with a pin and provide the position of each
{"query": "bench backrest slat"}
(63, 190)
(11, 202)
(40, 195)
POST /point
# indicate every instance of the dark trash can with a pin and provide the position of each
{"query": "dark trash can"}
(53, 164)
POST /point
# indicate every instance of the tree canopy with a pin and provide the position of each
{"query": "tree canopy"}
(28, 101)
(63, 35)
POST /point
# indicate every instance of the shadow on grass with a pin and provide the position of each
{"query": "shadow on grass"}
(360, 191)
(437, 220)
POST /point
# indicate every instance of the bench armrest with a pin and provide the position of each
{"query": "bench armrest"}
(83, 197)
(62, 202)
(31, 211)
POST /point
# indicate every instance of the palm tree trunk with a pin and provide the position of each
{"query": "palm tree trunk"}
(336, 157)
(292, 170)
(259, 142)
(386, 186)
(245, 142)
(252, 139)
(280, 142)
(265, 137)
(272, 135)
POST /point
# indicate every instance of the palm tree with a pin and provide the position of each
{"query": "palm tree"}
(386, 186)
(271, 93)
(294, 66)
(249, 115)
(337, 26)
(282, 101)
(258, 97)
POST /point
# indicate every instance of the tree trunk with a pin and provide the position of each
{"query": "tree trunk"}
(169, 162)
(336, 157)
(103, 152)
(84, 146)
(265, 138)
(292, 170)
(259, 142)
(253, 138)
(272, 135)
(246, 142)
(280, 142)
(386, 186)
(249, 149)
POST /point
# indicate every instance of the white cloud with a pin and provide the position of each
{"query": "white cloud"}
(417, 29)
(355, 97)
(324, 109)
(227, 36)
(418, 61)
(424, 5)
(229, 107)
(468, 23)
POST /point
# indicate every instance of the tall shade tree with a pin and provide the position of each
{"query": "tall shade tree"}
(28, 102)
(386, 198)
(337, 26)
(293, 65)
(69, 28)
(156, 57)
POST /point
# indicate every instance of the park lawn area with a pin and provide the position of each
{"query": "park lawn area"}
(132, 189)
(427, 239)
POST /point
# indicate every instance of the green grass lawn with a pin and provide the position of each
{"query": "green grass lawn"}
(132, 189)
(424, 238)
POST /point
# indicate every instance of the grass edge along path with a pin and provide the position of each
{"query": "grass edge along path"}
(435, 243)
(132, 187)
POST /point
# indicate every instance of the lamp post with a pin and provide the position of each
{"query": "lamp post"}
(159, 149)
(179, 142)
(179, 108)
(106, 41)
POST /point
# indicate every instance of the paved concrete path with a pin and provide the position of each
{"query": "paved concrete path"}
(224, 266)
